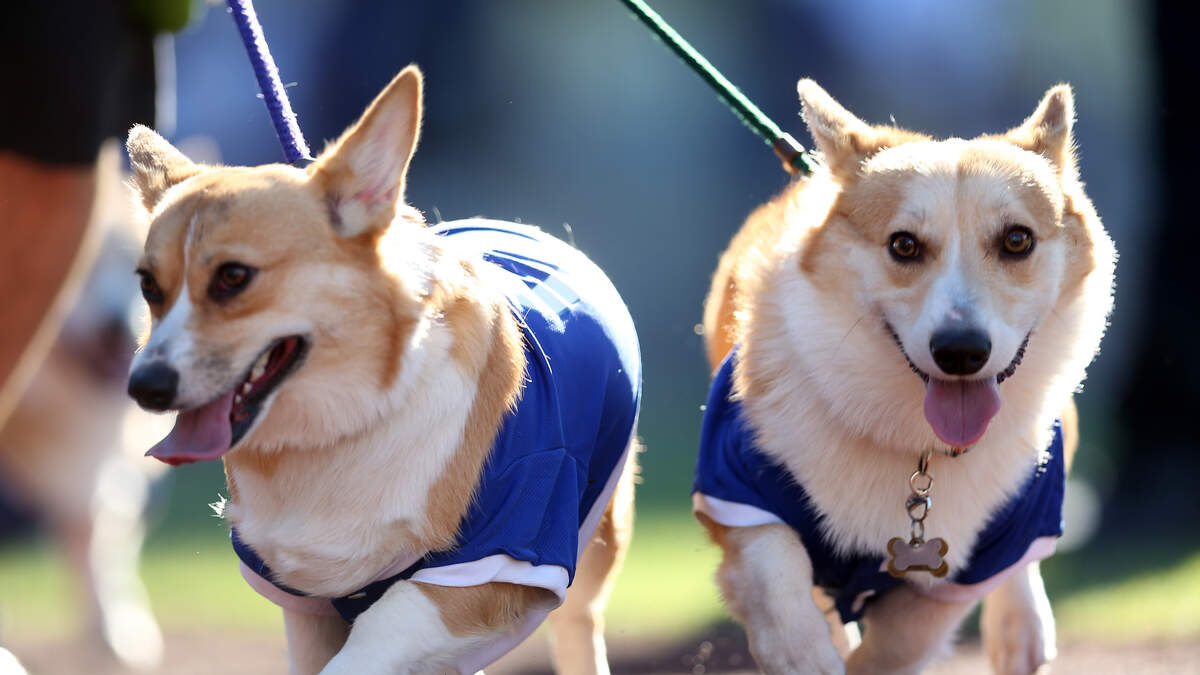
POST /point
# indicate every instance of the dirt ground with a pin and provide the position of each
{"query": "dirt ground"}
(722, 652)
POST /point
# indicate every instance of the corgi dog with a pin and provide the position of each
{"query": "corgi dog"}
(426, 431)
(912, 300)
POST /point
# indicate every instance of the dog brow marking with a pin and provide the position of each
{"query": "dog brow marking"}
(949, 290)
(174, 324)
(168, 340)
(187, 242)
(164, 342)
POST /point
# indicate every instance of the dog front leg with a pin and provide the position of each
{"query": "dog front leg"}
(904, 631)
(312, 640)
(766, 579)
(1017, 624)
(423, 628)
(846, 636)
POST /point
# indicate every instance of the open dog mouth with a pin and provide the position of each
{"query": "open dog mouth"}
(270, 369)
(209, 431)
(960, 410)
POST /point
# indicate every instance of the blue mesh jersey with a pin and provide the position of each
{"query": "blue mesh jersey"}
(553, 457)
(732, 469)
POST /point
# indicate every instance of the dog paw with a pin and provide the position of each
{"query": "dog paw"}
(801, 663)
(799, 656)
(1018, 638)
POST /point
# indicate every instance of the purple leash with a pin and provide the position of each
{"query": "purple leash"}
(294, 148)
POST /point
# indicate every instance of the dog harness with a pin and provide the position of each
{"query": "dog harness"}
(737, 485)
(555, 460)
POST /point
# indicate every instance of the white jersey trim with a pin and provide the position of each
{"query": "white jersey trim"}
(732, 514)
(498, 567)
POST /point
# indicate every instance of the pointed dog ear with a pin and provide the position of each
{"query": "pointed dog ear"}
(157, 165)
(843, 139)
(1048, 131)
(362, 174)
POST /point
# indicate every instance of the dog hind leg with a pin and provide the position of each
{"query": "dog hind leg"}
(578, 625)
(845, 636)
(312, 640)
(904, 631)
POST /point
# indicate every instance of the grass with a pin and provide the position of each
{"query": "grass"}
(666, 588)
(1161, 604)
(194, 583)
(34, 591)
(665, 592)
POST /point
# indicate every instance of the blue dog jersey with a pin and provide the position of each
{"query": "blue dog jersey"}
(738, 485)
(555, 460)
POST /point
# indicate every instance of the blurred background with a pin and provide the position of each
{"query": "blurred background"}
(570, 116)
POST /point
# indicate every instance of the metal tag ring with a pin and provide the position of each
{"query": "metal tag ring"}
(920, 491)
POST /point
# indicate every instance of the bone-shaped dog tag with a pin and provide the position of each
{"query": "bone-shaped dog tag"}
(925, 556)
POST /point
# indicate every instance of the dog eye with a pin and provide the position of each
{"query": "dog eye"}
(150, 290)
(229, 280)
(904, 246)
(1017, 241)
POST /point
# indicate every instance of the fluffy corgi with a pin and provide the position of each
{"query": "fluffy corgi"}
(424, 430)
(912, 300)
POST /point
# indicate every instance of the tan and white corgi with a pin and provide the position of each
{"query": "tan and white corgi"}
(422, 428)
(912, 299)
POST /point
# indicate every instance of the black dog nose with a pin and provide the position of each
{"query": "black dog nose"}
(960, 352)
(153, 385)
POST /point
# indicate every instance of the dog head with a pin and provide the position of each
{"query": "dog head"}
(957, 257)
(270, 320)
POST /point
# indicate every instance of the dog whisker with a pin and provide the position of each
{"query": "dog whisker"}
(854, 325)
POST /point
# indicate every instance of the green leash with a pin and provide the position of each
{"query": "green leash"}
(795, 159)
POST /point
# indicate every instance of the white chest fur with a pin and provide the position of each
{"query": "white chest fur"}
(329, 519)
(860, 488)
(861, 492)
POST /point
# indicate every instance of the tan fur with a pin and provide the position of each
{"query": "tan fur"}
(727, 294)
(501, 372)
(1070, 428)
(313, 640)
(415, 360)
(471, 610)
(157, 166)
(579, 623)
(805, 289)
(485, 331)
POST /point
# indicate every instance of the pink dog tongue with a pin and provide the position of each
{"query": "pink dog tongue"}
(959, 411)
(200, 434)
